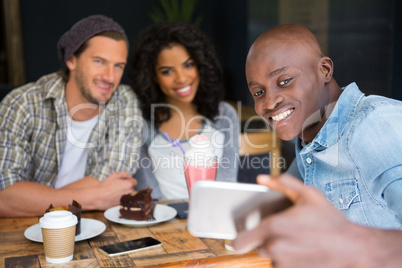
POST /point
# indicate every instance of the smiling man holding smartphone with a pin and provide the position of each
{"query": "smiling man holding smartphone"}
(348, 147)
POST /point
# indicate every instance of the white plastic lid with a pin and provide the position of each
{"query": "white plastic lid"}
(201, 143)
(58, 219)
(202, 153)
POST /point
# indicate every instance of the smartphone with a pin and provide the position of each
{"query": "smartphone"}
(221, 210)
(129, 246)
(182, 209)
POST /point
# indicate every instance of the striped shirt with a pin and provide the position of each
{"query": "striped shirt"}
(33, 133)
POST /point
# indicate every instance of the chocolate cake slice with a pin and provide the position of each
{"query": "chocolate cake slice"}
(137, 205)
(74, 208)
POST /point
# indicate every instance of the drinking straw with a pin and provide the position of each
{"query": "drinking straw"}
(175, 143)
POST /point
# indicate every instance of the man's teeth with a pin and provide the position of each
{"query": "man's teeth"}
(184, 89)
(282, 115)
(104, 86)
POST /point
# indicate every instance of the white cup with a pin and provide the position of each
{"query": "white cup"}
(58, 233)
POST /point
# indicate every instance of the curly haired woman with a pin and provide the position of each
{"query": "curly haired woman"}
(178, 79)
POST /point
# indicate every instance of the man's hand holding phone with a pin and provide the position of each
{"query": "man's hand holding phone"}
(308, 234)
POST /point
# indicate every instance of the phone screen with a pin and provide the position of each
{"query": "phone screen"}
(129, 246)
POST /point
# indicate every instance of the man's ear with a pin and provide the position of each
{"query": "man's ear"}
(327, 68)
(71, 63)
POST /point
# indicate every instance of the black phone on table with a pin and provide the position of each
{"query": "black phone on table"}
(129, 246)
(182, 209)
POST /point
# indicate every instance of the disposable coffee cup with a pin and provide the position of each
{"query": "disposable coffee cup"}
(58, 233)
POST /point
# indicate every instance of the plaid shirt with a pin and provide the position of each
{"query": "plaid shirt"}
(33, 133)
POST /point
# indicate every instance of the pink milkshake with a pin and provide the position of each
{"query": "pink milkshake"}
(200, 162)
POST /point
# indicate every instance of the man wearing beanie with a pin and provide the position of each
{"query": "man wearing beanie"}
(72, 135)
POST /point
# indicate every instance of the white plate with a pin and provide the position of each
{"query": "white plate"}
(161, 213)
(89, 228)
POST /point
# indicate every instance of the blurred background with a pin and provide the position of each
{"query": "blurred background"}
(363, 37)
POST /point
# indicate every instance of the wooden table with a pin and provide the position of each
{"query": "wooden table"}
(179, 247)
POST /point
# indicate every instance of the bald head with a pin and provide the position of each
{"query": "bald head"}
(291, 81)
(288, 36)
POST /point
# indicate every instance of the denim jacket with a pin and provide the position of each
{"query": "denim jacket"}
(356, 159)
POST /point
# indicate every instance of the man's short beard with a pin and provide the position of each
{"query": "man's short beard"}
(85, 91)
(87, 95)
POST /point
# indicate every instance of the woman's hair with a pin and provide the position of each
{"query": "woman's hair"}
(144, 58)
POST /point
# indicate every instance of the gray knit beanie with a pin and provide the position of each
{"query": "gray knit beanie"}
(84, 30)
